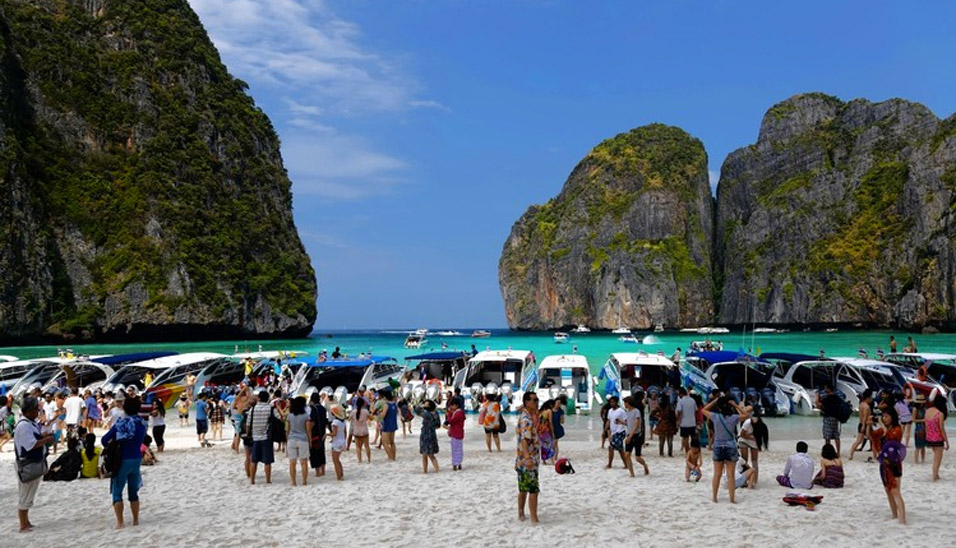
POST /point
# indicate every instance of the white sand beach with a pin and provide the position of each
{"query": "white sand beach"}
(200, 497)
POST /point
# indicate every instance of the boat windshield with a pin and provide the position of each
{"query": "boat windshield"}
(740, 375)
(498, 372)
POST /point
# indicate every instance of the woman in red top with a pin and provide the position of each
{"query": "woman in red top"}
(891, 471)
(455, 419)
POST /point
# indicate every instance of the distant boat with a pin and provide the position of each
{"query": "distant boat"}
(712, 330)
(415, 340)
(449, 333)
(831, 330)
(581, 329)
(659, 328)
(480, 333)
(561, 337)
(630, 338)
(759, 330)
(621, 331)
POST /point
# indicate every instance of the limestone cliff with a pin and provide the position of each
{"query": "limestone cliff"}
(626, 242)
(840, 213)
(143, 193)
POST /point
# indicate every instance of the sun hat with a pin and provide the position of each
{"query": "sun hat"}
(893, 451)
(338, 412)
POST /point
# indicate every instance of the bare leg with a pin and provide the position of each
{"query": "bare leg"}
(253, 468)
(337, 462)
(292, 472)
(731, 484)
(25, 525)
(900, 506)
(670, 446)
(644, 464)
(715, 483)
(937, 460)
(134, 508)
(755, 464)
(434, 462)
(660, 444)
(424, 464)
(627, 463)
(268, 473)
(488, 441)
(118, 510)
(892, 501)
(521, 500)
(497, 442)
(304, 467)
(533, 506)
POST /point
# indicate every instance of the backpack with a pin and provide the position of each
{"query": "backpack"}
(845, 412)
(563, 466)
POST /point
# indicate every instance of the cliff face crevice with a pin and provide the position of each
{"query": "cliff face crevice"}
(839, 213)
(143, 188)
(626, 242)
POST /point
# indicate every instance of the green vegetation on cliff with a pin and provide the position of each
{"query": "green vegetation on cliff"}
(157, 157)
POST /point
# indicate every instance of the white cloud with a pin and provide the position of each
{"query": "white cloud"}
(428, 103)
(338, 167)
(302, 45)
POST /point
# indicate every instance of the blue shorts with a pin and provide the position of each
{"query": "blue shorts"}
(262, 451)
(202, 426)
(726, 454)
(127, 476)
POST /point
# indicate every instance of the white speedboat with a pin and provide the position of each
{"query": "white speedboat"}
(567, 374)
(415, 340)
(713, 330)
(342, 377)
(561, 337)
(508, 372)
(621, 331)
(739, 375)
(630, 338)
(480, 334)
(630, 372)
(449, 333)
(581, 329)
(940, 368)
(659, 328)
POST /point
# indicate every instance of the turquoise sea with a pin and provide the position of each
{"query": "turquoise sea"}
(595, 346)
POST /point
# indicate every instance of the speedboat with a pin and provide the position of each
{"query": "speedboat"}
(43, 370)
(431, 373)
(170, 373)
(713, 330)
(480, 333)
(449, 333)
(581, 329)
(91, 374)
(621, 331)
(7, 358)
(740, 375)
(567, 374)
(630, 339)
(626, 373)
(940, 368)
(508, 372)
(12, 371)
(659, 328)
(802, 377)
(561, 337)
(415, 340)
(342, 377)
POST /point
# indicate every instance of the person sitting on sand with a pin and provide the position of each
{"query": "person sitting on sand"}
(744, 475)
(90, 456)
(798, 472)
(830, 475)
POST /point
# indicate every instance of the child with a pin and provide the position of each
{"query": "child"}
(182, 405)
(91, 458)
(149, 458)
(666, 427)
(652, 404)
(406, 413)
(693, 462)
(919, 432)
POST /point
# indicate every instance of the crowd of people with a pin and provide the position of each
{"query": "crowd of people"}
(266, 421)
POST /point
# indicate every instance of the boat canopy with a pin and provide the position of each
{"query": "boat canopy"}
(439, 356)
(721, 356)
(789, 357)
(359, 362)
(122, 359)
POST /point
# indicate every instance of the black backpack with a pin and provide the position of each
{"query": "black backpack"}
(112, 457)
(845, 412)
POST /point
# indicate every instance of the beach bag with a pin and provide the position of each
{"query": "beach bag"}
(846, 411)
(112, 457)
(563, 466)
(276, 428)
(502, 424)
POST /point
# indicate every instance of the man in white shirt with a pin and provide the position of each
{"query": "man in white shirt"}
(798, 473)
(75, 414)
(617, 430)
(30, 445)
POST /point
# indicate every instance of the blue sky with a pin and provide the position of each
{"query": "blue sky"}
(417, 132)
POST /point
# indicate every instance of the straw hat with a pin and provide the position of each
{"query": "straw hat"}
(338, 412)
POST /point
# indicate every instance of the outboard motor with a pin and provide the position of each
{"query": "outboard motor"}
(752, 394)
(768, 398)
(653, 389)
(406, 392)
(432, 392)
(508, 391)
(418, 393)
(736, 394)
(341, 395)
(327, 390)
(554, 392)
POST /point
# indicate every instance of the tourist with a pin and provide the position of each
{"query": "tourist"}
(546, 430)
(634, 433)
(693, 462)
(831, 406)
(320, 427)
(919, 430)
(8, 420)
(892, 344)
(686, 418)
(405, 412)
(456, 432)
(149, 458)
(191, 385)
(182, 405)
(557, 421)
(217, 416)
(336, 354)
(490, 419)
(936, 437)
(830, 475)
(428, 438)
(744, 476)
(30, 447)
(527, 457)
(93, 412)
(667, 426)
(280, 407)
(653, 401)
(798, 472)
(262, 447)
(753, 439)
(617, 431)
(866, 403)
(68, 465)
(129, 432)
(390, 425)
(90, 457)
(359, 432)
(605, 409)
(726, 414)
(906, 417)
(891, 473)
(236, 408)
(378, 410)
(50, 419)
(299, 432)
(75, 412)
(202, 419)
(910, 346)
(338, 437)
